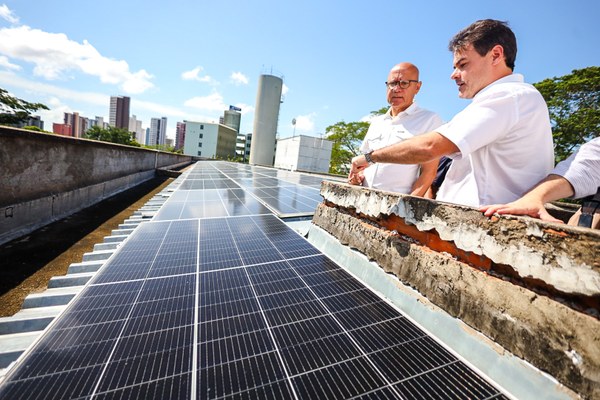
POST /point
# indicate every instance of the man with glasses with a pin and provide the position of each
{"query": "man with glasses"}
(403, 120)
(501, 143)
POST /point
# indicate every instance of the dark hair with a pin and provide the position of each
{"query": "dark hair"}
(484, 35)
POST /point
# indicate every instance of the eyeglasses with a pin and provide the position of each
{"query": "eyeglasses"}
(401, 84)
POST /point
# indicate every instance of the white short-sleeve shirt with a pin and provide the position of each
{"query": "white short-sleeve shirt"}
(505, 142)
(386, 130)
(582, 169)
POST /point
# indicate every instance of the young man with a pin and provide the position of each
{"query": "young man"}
(403, 120)
(501, 143)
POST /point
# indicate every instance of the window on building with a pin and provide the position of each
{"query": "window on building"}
(199, 144)
(199, 153)
(201, 136)
(201, 126)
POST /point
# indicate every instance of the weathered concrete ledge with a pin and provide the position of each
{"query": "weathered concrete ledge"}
(532, 287)
(47, 177)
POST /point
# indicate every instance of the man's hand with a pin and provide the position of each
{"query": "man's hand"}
(526, 205)
(552, 187)
(358, 164)
(356, 179)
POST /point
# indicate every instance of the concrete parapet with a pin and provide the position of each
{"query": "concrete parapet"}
(48, 177)
(532, 287)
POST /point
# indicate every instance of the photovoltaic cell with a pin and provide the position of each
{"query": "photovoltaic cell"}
(233, 307)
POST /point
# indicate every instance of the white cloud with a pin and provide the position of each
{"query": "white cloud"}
(246, 109)
(239, 79)
(306, 123)
(60, 95)
(194, 75)
(4, 62)
(54, 54)
(284, 89)
(56, 113)
(8, 15)
(8, 78)
(212, 102)
(159, 109)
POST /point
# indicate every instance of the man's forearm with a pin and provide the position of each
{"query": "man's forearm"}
(551, 188)
(417, 150)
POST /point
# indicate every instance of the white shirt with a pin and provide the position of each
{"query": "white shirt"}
(386, 130)
(582, 169)
(505, 144)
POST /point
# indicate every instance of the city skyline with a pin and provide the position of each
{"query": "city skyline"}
(198, 59)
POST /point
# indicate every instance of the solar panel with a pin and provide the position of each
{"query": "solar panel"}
(233, 307)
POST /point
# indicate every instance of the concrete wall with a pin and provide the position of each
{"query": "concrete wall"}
(46, 177)
(532, 287)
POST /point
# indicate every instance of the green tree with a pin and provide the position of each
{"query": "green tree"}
(161, 147)
(111, 134)
(14, 110)
(34, 128)
(574, 104)
(347, 138)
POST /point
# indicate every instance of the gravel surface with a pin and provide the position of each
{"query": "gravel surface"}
(28, 263)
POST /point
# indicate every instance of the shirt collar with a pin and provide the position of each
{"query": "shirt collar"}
(410, 110)
(512, 78)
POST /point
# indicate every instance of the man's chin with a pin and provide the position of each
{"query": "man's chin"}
(463, 94)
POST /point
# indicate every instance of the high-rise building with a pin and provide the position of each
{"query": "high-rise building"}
(98, 121)
(135, 127)
(180, 135)
(119, 112)
(32, 120)
(158, 131)
(232, 118)
(79, 124)
(266, 115)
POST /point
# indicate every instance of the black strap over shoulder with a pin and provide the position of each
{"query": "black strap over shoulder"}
(590, 206)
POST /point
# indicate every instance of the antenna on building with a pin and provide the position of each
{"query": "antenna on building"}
(294, 123)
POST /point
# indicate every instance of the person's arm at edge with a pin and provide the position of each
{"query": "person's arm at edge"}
(425, 179)
(417, 150)
(551, 188)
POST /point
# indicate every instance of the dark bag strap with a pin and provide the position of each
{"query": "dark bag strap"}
(590, 206)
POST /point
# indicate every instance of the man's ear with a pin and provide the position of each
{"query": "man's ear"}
(497, 54)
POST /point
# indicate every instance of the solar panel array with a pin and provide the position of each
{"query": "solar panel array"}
(237, 306)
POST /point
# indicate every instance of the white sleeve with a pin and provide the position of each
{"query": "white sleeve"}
(480, 123)
(582, 169)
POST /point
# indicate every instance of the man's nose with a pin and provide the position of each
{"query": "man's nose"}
(454, 75)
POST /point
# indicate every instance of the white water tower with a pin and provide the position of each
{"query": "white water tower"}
(266, 114)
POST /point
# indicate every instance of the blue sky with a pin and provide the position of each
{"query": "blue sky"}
(191, 59)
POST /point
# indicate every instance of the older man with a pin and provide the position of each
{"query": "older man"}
(501, 143)
(403, 120)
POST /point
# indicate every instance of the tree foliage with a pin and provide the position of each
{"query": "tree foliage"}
(14, 110)
(347, 138)
(111, 134)
(574, 104)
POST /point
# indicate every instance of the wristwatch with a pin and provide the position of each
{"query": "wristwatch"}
(368, 158)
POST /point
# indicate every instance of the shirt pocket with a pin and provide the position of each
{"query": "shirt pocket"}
(376, 142)
(399, 134)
